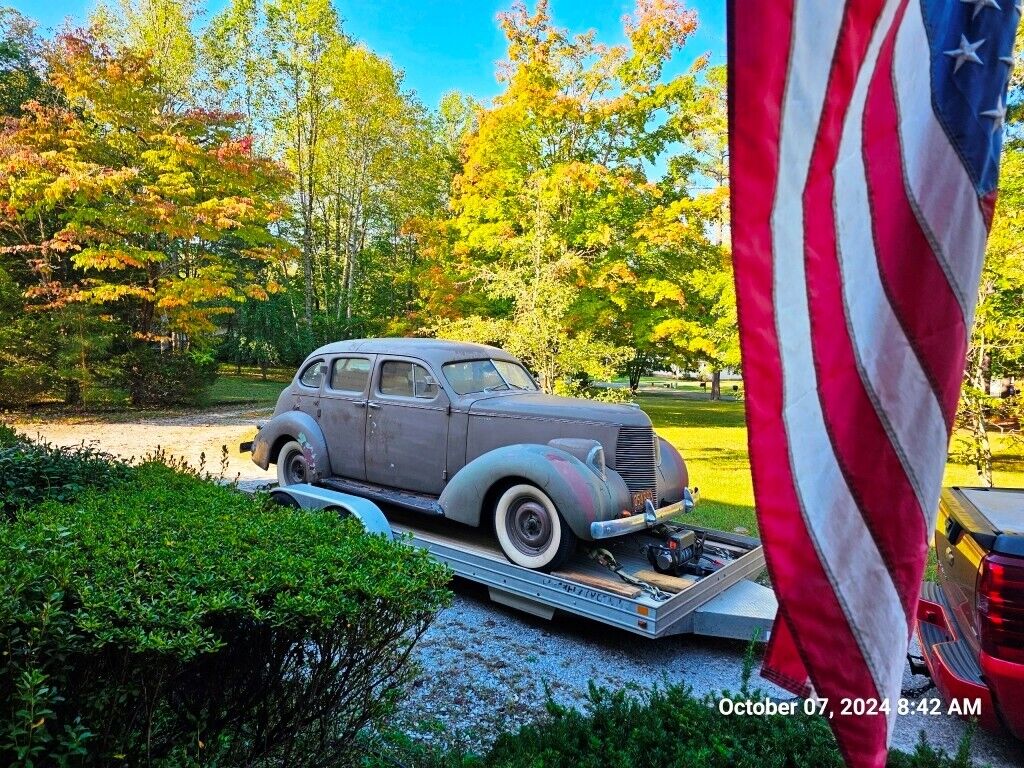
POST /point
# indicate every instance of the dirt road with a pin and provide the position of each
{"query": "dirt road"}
(188, 436)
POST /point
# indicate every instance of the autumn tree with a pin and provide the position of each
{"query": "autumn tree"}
(113, 200)
(552, 210)
(705, 331)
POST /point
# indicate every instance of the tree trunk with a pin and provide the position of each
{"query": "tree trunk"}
(716, 384)
(636, 369)
(73, 393)
(974, 400)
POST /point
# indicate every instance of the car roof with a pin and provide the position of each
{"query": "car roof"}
(434, 351)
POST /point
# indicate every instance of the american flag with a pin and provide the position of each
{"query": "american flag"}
(865, 142)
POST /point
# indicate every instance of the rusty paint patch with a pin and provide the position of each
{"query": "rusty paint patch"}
(580, 488)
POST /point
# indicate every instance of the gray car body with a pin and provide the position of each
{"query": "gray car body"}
(464, 449)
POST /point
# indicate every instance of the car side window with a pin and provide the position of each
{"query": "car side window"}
(401, 379)
(313, 375)
(350, 374)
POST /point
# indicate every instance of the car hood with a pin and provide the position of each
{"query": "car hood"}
(536, 405)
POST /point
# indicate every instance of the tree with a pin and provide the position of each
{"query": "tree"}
(161, 31)
(237, 67)
(21, 80)
(551, 210)
(996, 346)
(306, 45)
(153, 215)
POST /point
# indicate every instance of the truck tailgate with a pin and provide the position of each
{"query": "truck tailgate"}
(973, 522)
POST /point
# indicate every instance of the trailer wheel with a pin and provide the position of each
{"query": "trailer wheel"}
(530, 530)
(284, 499)
(292, 465)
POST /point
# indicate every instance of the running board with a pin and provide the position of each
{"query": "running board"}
(416, 502)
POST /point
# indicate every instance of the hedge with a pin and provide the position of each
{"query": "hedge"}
(166, 620)
(668, 727)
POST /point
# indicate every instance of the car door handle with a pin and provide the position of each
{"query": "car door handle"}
(374, 405)
(359, 404)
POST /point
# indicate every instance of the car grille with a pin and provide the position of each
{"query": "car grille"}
(634, 459)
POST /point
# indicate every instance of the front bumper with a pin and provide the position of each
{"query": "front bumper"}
(651, 517)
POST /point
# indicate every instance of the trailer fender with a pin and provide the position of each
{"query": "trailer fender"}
(309, 496)
(580, 494)
(292, 425)
(673, 476)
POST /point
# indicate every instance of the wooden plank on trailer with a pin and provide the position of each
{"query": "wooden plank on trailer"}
(600, 582)
(666, 581)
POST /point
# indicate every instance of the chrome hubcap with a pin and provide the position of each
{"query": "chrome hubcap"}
(528, 525)
(296, 468)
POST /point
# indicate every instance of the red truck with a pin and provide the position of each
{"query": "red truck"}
(971, 623)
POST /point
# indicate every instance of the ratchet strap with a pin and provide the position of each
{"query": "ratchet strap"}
(605, 558)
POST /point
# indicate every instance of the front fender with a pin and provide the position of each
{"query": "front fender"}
(673, 476)
(578, 492)
(292, 425)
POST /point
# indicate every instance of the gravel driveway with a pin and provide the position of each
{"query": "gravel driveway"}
(485, 667)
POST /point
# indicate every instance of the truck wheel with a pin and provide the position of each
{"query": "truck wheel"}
(530, 530)
(292, 465)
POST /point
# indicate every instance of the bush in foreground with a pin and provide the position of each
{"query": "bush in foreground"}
(166, 620)
(33, 471)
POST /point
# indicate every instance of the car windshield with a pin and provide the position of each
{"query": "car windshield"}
(487, 376)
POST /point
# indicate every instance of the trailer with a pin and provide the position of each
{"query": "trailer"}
(612, 583)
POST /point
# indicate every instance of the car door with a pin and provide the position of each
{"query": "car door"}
(406, 427)
(343, 413)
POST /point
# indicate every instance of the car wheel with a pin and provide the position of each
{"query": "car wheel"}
(530, 530)
(292, 465)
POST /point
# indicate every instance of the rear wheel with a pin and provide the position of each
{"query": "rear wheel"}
(530, 530)
(292, 465)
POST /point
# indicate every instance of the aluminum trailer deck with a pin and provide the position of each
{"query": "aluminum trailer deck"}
(723, 604)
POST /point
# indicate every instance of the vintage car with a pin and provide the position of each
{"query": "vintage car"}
(462, 431)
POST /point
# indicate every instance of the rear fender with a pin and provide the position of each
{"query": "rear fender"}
(292, 425)
(578, 492)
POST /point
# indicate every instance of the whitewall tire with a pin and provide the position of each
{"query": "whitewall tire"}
(530, 530)
(292, 465)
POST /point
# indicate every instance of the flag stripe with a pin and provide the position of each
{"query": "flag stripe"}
(936, 182)
(806, 594)
(893, 379)
(935, 328)
(848, 414)
(845, 545)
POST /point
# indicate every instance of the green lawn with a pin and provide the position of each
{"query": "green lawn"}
(248, 387)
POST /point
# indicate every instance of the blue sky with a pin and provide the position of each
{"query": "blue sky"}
(450, 44)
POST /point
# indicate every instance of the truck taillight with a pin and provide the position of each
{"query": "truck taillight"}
(1000, 604)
